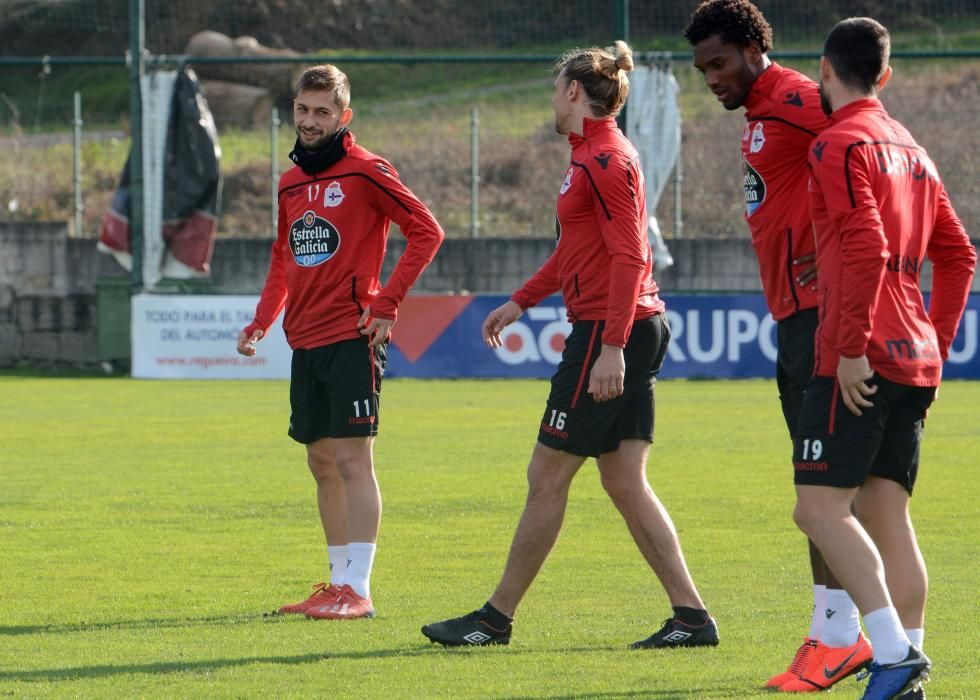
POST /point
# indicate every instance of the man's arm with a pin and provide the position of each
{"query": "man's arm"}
(624, 236)
(424, 236)
(542, 284)
(853, 211)
(954, 260)
(273, 297)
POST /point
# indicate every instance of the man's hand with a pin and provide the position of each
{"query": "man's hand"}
(606, 378)
(497, 320)
(378, 330)
(852, 375)
(807, 275)
(246, 344)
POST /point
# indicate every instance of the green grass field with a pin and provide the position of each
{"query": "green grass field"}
(146, 528)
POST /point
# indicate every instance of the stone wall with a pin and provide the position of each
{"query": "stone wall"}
(50, 284)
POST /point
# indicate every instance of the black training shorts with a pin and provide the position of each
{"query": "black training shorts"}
(794, 362)
(834, 447)
(334, 390)
(573, 422)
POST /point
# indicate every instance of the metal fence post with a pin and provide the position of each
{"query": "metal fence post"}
(137, 66)
(679, 183)
(475, 172)
(274, 124)
(77, 164)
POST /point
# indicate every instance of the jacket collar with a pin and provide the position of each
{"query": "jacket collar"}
(592, 129)
(763, 86)
(868, 104)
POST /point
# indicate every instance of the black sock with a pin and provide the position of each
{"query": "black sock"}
(494, 617)
(690, 616)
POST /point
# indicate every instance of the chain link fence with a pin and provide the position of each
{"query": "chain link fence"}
(477, 107)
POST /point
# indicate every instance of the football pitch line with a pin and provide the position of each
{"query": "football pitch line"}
(147, 528)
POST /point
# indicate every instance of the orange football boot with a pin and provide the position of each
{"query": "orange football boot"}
(322, 595)
(830, 665)
(347, 606)
(796, 666)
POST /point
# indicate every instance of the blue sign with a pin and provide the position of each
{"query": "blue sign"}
(718, 335)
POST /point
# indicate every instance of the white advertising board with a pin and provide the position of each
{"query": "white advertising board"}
(194, 337)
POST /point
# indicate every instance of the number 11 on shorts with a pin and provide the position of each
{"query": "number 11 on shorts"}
(367, 408)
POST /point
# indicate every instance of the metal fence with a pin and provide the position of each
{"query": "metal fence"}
(472, 134)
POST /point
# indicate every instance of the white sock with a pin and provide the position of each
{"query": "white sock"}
(338, 564)
(819, 603)
(916, 637)
(361, 557)
(842, 624)
(888, 640)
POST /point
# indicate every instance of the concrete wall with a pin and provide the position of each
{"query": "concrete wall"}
(49, 284)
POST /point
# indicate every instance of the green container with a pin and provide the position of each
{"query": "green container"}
(112, 318)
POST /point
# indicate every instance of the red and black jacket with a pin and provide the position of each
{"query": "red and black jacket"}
(602, 263)
(782, 116)
(880, 210)
(332, 235)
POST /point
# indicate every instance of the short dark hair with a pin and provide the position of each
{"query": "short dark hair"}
(858, 49)
(327, 78)
(737, 22)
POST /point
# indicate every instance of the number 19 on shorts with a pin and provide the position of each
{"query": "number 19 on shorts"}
(812, 449)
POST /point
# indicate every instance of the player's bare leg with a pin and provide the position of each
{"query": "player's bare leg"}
(623, 475)
(331, 502)
(882, 508)
(549, 477)
(331, 497)
(824, 514)
(355, 464)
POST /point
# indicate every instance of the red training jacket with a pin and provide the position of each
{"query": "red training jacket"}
(880, 209)
(602, 263)
(782, 115)
(326, 260)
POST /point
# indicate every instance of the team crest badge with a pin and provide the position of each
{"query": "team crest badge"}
(568, 181)
(333, 195)
(758, 139)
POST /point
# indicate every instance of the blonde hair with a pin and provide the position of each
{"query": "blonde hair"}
(601, 73)
(327, 78)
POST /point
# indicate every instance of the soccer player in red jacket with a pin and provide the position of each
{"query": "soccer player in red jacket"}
(335, 209)
(879, 210)
(731, 39)
(601, 402)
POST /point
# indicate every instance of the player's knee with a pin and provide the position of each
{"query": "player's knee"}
(806, 516)
(619, 489)
(323, 468)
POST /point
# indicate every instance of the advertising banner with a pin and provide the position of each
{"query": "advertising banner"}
(712, 335)
(194, 337)
(717, 336)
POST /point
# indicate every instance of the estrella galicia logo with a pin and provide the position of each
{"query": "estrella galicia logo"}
(313, 240)
(755, 189)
